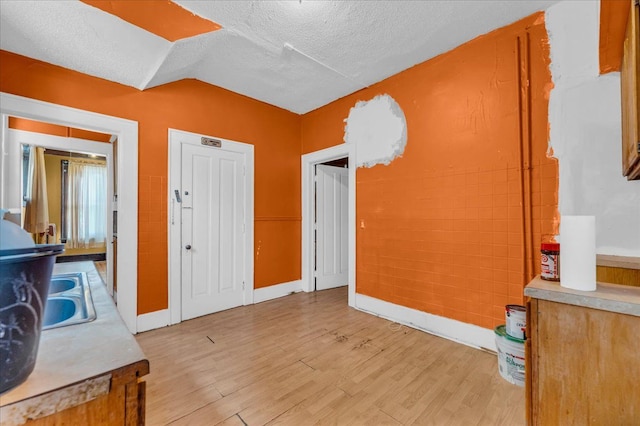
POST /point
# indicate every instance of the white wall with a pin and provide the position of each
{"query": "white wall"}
(585, 131)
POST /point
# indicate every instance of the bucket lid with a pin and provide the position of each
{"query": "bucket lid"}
(37, 251)
(501, 331)
(518, 308)
(12, 236)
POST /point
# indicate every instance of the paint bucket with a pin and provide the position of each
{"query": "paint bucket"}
(516, 321)
(510, 356)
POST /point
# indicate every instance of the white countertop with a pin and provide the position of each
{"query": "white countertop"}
(621, 299)
(73, 354)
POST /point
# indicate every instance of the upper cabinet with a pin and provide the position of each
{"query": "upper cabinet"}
(630, 85)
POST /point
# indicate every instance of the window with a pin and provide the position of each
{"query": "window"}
(84, 203)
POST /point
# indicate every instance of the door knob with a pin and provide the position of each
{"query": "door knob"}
(188, 247)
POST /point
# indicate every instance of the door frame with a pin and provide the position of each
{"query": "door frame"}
(174, 215)
(127, 133)
(86, 147)
(309, 162)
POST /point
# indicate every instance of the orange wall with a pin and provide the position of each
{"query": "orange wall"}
(196, 107)
(56, 130)
(160, 17)
(613, 25)
(442, 226)
(440, 229)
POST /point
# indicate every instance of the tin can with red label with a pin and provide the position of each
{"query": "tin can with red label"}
(550, 261)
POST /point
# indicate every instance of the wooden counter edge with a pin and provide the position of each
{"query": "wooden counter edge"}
(127, 377)
(624, 262)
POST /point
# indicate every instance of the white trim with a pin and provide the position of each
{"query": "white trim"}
(82, 146)
(308, 163)
(275, 291)
(153, 320)
(3, 160)
(127, 133)
(174, 230)
(467, 334)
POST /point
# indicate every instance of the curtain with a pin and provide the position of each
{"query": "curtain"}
(36, 213)
(86, 205)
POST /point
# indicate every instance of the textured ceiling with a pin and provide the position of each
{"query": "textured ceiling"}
(295, 55)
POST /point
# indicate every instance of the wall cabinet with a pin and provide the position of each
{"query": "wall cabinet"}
(630, 87)
(582, 355)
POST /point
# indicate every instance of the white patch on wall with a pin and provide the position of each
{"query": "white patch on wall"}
(378, 129)
(585, 131)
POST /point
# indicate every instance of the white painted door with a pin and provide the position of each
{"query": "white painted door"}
(332, 196)
(212, 229)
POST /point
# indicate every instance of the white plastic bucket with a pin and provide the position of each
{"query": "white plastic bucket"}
(510, 356)
(516, 321)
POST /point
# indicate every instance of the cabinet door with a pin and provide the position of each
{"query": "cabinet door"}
(630, 95)
(585, 366)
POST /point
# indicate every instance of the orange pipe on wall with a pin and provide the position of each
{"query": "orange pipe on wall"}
(442, 224)
(441, 229)
(523, 64)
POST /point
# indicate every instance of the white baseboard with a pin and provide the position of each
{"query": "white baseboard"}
(468, 334)
(161, 318)
(275, 291)
(153, 320)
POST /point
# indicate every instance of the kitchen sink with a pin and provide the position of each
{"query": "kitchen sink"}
(58, 285)
(69, 301)
(58, 310)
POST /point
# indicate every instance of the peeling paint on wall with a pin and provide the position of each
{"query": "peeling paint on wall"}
(378, 129)
(441, 231)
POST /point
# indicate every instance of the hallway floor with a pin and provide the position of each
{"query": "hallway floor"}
(310, 359)
(101, 267)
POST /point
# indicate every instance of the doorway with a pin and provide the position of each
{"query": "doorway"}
(88, 167)
(210, 225)
(126, 132)
(331, 224)
(309, 207)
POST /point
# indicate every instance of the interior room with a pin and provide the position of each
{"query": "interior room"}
(323, 212)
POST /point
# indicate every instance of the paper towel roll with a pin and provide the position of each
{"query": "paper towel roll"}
(578, 252)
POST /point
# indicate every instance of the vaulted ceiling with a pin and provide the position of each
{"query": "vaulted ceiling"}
(297, 55)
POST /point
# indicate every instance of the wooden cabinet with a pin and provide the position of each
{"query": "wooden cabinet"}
(618, 269)
(123, 405)
(583, 362)
(630, 87)
(86, 374)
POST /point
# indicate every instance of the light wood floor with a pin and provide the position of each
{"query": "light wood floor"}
(101, 267)
(310, 359)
